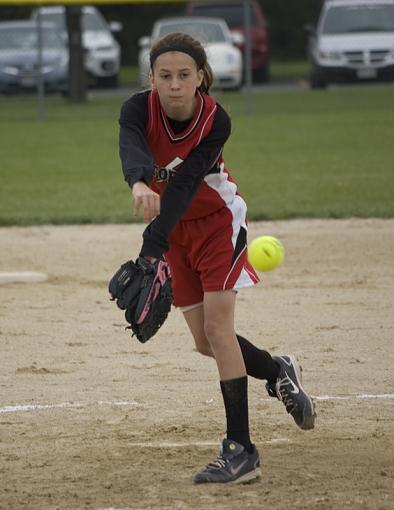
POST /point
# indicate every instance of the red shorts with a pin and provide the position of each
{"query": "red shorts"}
(210, 254)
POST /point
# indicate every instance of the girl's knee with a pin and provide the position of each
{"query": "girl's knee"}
(214, 330)
(205, 350)
(203, 347)
(211, 329)
(217, 333)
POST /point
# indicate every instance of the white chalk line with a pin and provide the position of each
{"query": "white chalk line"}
(22, 277)
(350, 397)
(201, 444)
(80, 405)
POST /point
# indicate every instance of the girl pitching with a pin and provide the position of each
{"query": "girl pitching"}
(171, 143)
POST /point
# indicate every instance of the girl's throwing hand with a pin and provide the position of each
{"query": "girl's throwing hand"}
(149, 200)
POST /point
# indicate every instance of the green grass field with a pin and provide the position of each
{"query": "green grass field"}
(301, 153)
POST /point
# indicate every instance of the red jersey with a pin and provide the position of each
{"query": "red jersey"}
(170, 150)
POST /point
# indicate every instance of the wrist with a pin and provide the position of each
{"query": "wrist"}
(138, 184)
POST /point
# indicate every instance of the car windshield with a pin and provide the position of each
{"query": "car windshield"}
(359, 18)
(232, 13)
(90, 21)
(23, 38)
(204, 32)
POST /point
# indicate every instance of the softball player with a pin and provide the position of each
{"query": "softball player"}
(171, 143)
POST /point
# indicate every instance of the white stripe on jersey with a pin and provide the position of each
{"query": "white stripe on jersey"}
(238, 210)
(220, 183)
(213, 112)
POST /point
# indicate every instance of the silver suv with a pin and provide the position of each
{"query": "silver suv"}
(102, 51)
(353, 41)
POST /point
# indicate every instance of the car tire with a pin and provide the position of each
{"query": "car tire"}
(315, 79)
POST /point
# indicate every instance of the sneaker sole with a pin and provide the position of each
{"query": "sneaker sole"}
(247, 477)
(309, 421)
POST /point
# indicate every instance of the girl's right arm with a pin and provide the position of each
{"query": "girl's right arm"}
(136, 157)
(134, 152)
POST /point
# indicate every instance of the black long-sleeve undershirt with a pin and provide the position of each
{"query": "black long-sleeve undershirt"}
(137, 164)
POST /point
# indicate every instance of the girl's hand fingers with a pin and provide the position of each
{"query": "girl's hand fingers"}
(148, 210)
(137, 205)
(152, 207)
(157, 205)
(148, 199)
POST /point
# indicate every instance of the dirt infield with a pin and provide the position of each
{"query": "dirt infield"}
(91, 419)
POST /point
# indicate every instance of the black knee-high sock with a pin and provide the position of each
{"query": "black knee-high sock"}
(258, 363)
(235, 396)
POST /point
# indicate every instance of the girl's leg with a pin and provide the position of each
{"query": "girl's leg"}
(281, 372)
(239, 459)
(219, 310)
(258, 363)
(195, 321)
(214, 320)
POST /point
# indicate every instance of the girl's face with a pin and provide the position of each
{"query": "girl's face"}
(175, 77)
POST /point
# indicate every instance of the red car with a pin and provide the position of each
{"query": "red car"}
(233, 12)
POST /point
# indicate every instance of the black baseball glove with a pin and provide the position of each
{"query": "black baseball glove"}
(144, 291)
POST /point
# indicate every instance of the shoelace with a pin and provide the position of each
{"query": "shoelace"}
(282, 392)
(218, 463)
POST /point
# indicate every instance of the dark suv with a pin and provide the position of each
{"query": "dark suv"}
(233, 12)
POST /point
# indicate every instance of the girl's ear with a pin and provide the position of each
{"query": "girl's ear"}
(200, 74)
(151, 79)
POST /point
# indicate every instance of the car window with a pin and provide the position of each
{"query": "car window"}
(26, 39)
(90, 20)
(94, 22)
(204, 32)
(360, 18)
(56, 18)
(232, 13)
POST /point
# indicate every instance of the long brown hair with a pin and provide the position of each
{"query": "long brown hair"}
(178, 41)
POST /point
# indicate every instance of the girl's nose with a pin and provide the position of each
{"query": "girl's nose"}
(175, 83)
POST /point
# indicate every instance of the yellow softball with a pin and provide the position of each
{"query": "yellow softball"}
(265, 253)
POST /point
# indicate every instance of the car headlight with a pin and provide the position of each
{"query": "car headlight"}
(329, 55)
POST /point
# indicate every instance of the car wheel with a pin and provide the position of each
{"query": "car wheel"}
(315, 79)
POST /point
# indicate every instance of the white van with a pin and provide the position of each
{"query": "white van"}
(102, 58)
(353, 41)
